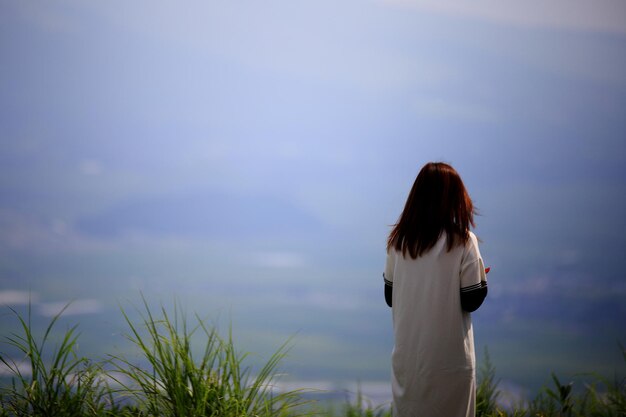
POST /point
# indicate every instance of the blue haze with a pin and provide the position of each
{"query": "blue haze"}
(248, 159)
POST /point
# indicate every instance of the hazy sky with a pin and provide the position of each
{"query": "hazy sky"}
(292, 131)
(330, 106)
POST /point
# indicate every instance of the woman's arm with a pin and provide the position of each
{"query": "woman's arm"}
(473, 296)
(473, 278)
(388, 291)
(388, 275)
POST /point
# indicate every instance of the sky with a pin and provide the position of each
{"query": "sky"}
(249, 158)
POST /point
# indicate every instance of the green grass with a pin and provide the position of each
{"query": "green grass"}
(183, 367)
(178, 383)
(59, 382)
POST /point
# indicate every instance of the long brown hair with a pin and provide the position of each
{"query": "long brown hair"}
(438, 202)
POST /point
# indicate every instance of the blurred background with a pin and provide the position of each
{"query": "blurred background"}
(246, 159)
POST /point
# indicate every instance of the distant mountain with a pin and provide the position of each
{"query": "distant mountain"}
(204, 214)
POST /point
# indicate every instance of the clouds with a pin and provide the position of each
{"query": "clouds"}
(279, 260)
(73, 308)
(15, 298)
(586, 15)
(90, 167)
(318, 103)
(24, 368)
(279, 139)
(323, 42)
(440, 109)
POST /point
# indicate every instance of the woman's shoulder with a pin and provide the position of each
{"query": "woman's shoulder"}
(473, 239)
(470, 250)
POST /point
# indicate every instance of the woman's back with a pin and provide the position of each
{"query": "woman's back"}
(434, 276)
(433, 358)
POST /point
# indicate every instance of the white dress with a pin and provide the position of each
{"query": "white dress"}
(433, 359)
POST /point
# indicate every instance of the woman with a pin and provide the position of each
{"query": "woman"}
(434, 277)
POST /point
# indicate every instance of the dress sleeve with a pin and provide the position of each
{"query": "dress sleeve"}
(388, 277)
(389, 264)
(473, 278)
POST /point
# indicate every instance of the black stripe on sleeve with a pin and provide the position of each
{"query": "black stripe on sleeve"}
(473, 287)
(473, 296)
(388, 291)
